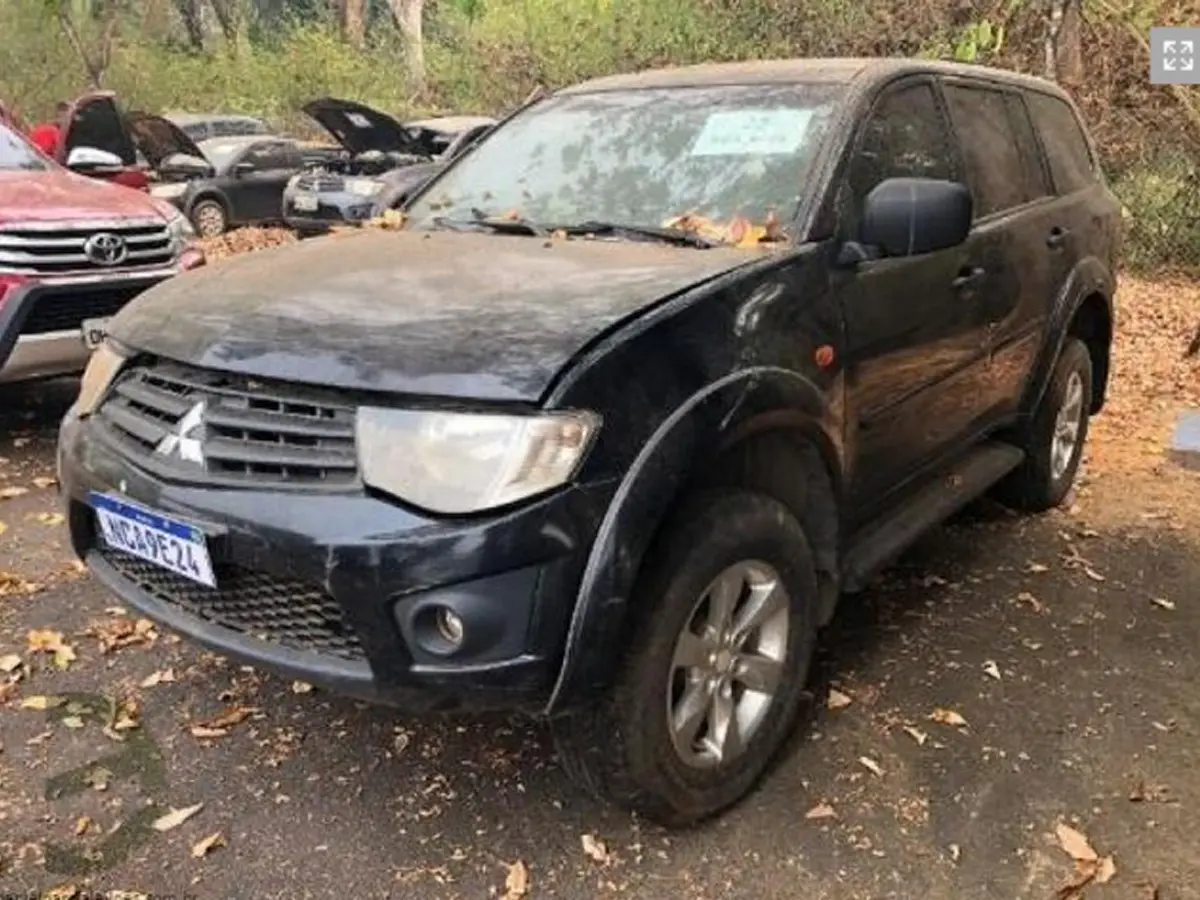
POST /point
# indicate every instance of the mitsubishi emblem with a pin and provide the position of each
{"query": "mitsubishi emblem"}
(184, 442)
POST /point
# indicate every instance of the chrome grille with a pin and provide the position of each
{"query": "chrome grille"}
(60, 248)
(320, 183)
(249, 432)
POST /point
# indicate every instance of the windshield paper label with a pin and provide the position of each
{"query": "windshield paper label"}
(752, 132)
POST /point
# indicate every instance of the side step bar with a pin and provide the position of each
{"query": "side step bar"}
(882, 541)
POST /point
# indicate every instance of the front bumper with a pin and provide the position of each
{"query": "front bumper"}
(293, 568)
(40, 321)
(334, 208)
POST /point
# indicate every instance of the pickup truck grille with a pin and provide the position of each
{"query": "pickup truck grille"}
(247, 432)
(66, 310)
(69, 249)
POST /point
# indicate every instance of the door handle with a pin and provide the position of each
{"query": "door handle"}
(968, 276)
(1058, 237)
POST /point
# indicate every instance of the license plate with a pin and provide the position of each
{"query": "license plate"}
(94, 331)
(305, 202)
(176, 546)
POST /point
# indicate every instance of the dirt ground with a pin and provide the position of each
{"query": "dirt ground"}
(1014, 687)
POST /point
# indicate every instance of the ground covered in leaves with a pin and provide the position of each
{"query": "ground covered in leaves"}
(1011, 713)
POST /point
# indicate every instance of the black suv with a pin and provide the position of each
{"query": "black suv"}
(658, 371)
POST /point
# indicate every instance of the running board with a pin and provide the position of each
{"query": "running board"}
(882, 541)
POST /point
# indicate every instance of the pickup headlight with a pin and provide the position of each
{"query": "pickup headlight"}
(364, 187)
(181, 230)
(103, 366)
(451, 462)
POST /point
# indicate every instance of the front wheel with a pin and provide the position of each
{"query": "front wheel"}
(209, 219)
(713, 678)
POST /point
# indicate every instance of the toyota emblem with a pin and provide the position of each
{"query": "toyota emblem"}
(106, 249)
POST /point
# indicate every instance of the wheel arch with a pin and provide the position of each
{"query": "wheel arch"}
(770, 415)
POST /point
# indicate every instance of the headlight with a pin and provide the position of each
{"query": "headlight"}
(181, 230)
(103, 366)
(448, 462)
(364, 187)
(169, 190)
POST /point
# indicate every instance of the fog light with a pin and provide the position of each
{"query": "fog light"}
(449, 626)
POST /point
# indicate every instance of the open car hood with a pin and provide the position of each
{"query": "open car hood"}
(159, 138)
(95, 120)
(359, 128)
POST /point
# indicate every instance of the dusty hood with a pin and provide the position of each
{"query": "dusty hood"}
(159, 138)
(359, 128)
(483, 316)
(57, 195)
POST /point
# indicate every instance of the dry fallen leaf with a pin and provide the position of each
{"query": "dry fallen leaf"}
(1106, 871)
(955, 853)
(82, 824)
(870, 764)
(62, 892)
(45, 481)
(176, 817)
(40, 702)
(44, 640)
(72, 722)
(1031, 601)
(8, 493)
(821, 811)
(991, 670)
(1074, 843)
(203, 847)
(916, 734)
(162, 676)
(219, 726)
(838, 700)
(516, 883)
(948, 717)
(123, 632)
(595, 849)
(301, 687)
(50, 518)
(1162, 602)
(10, 662)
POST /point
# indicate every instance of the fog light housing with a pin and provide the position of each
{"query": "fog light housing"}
(439, 630)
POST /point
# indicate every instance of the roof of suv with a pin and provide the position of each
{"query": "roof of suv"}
(782, 71)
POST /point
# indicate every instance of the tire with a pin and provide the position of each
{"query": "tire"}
(209, 218)
(622, 747)
(1046, 476)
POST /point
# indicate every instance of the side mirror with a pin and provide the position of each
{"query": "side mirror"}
(913, 216)
(88, 158)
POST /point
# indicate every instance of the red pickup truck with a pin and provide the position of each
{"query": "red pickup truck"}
(73, 251)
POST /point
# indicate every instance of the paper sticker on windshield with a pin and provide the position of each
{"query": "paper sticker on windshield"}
(358, 120)
(752, 132)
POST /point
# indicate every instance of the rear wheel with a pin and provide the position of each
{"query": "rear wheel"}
(209, 218)
(711, 684)
(1054, 444)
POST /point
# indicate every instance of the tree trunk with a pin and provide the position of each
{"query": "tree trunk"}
(230, 19)
(192, 18)
(1063, 42)
(352, 17)
(409, 15)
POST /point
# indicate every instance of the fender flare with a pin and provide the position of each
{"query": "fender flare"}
(641, 501)
(1089, 277)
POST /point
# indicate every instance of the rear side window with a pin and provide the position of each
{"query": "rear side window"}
(905, 137)
(1071, 161)
(1002, 173)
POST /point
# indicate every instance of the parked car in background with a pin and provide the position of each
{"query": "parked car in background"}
(656, 374)
(73, 252)
(205, 126)
(385, 162)
(225, 182)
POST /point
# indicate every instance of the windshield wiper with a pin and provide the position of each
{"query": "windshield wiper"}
(642, 232)
(493, 223)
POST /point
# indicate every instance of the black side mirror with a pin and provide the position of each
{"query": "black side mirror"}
(913, 216)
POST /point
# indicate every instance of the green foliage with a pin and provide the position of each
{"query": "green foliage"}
(1161, 198)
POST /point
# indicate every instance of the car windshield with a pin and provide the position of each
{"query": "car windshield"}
(16, 154)
(654, 158)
